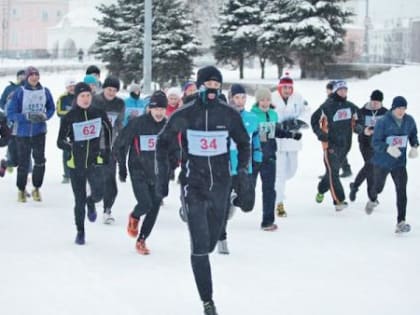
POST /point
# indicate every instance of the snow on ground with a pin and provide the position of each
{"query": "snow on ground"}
(319, 262)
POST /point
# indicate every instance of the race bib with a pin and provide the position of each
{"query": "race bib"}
(370, 121)
(134, 112)
(207, 143)
(112, 117)
(33, 101)
(87, 130)
(267, 130)
(398, 141)
(148, 142)
(342, 114)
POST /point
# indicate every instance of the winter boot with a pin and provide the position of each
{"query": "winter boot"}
(133, 226)
(319, 197)
(141, 247)
(341, 206)
(370, 205)
(402, 227)
(80, 238)
(91, 211)
(3, 167)
(280, 210)
(21, 196)
(36, 195)
(353, 191)
(209, 308)
(269, 228)
(222, 247)
(107, 217)
(346, 172)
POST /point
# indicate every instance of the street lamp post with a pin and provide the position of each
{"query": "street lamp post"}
(147, 48)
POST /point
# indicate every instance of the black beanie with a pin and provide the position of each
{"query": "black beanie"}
(81, 87)
(158, 99)
(377, 96)
(330, 85)
(20, 72)
(112, 82)
(237, 89)
(93, 69)
(398, 101)
(208, 73)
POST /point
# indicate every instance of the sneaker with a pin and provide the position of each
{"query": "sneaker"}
(182, 214)
(3, 167)
(133, 226)
(269, 228)
(370, 205)
(108, 218)
(209, 308)
(36, 195)
(341, 206)
(91, 211)
(402, 227)
(353, 191)
(319, 197)
(232, 208)
(65, 180)
(222, 247)
(280, 210)
(21, 196)
(80, 238)
(141, 247)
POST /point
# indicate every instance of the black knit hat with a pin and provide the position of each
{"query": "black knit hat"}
(93, 69)
(237, 89)
(111, 81)
(330, 85)
(208, 73)
(398, 101)
(158, 99)
(377, 96)
(20, 72)
(30, 71)
(80, 88)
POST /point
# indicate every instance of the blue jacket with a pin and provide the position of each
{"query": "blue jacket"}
(250, 121)
(386, 131)
(133, 104)
(7, 91)
(14, 112)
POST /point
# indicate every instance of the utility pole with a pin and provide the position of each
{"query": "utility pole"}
(367, 26)
(147, 48)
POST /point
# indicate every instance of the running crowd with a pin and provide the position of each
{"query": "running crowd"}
(220, 147)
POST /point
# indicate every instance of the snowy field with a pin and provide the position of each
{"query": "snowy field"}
(319, 262)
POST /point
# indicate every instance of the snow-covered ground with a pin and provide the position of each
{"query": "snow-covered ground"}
(319, 262)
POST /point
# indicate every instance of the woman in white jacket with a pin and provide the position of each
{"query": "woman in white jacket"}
(294, 114)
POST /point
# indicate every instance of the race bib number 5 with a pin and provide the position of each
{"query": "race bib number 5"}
(148, 142)
(207, 143)
(87, 130)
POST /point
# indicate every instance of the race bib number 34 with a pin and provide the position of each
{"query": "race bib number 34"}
(207, 143)
(87, 130)
(148, 142)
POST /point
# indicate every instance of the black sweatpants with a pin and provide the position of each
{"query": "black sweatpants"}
(206, 212)
(267, 173)
(110, 184)
(366, 172)
(399, 177)
(333, 159)
(26, 146)
(147, 204)
(79, 177)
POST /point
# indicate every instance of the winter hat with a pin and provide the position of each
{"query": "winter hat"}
(30, 71)
(70, 82)
(93, 69)
(398, 101)
(208, 73)
(377, 96)
(111, 81)
(262, 93)
(236, 89)
(340, 84)
(158, 99)
(90, 79)
(20, 72)
(330, 85)
(285, 80)
(173, 91)
(134, 87)
(187, 85)
(81, 87)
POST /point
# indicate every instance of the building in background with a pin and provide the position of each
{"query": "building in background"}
(24, 25)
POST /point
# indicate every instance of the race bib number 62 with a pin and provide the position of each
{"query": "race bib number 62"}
(87, 130)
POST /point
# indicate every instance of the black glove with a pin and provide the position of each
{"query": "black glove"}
(36, 117)
(246, 191)
(122, 172)
(323, 137)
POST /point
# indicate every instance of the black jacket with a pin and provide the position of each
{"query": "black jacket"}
(334, 121)
(4, 130)
(85, 152)
(367, 118)
(206, 130)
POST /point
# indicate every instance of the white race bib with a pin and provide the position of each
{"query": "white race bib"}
(148, 142)
(134, 112)
(87, 130)
(112, 117)
(207, 143)
(33, 101)
(342, 114)
(398, 141)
